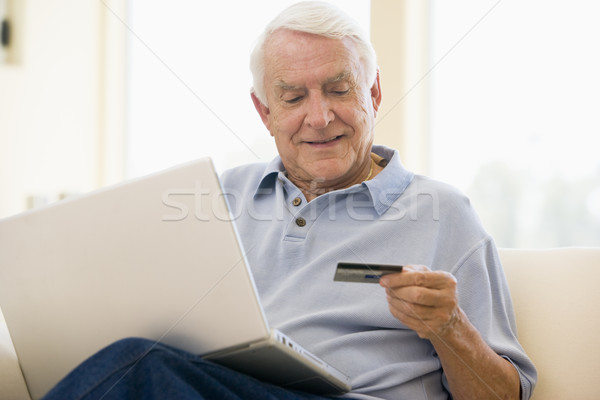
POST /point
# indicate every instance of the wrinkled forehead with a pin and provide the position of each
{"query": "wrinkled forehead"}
(291, 54)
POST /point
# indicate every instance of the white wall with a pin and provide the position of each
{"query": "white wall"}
(49, 102)
(399, 33)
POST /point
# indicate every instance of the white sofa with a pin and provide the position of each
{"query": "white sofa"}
(557, 304)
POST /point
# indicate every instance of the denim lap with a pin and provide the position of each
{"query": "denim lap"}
(142, 369)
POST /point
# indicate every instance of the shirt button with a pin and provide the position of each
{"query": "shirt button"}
(297, 201)
(300, 222)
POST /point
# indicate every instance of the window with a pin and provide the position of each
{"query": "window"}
(514, 116)
(189, 81)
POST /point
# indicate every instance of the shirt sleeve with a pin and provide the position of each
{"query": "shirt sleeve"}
(485, 297)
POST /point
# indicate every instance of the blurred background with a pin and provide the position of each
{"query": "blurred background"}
(498, 98)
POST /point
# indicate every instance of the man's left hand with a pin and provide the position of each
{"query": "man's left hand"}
(424, 300)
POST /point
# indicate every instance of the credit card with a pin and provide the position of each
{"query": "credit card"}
(365, 273)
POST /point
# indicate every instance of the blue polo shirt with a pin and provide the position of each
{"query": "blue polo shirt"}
(293, 247)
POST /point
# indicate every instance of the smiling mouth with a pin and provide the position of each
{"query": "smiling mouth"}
(324, 141)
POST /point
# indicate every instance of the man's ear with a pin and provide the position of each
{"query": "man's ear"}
(263, 110)
(376, 93)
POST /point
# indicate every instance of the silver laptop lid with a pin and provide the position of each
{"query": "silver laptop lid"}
(161, 248)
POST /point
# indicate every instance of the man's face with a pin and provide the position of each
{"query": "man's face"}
(320, 109)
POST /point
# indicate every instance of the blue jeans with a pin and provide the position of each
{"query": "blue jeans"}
(143, 369)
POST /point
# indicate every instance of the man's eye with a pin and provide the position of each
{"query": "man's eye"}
(340, 92)
(293, 100)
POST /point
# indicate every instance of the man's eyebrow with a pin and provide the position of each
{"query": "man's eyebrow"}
(286, 86)
(342, 76)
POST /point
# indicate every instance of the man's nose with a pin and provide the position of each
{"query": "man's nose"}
(319, 113)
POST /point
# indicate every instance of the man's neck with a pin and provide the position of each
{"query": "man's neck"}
(314, 188)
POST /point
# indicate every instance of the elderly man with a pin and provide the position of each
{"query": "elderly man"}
(442, 328)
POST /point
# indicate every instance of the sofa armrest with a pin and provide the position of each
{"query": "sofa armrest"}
(557, 307)
(12, 384)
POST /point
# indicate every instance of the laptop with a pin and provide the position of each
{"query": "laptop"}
(155, 257)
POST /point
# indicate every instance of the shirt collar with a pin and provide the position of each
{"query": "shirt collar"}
(390, 183)
(269, 176)
(384, 189)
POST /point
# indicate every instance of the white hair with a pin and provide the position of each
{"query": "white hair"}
(318, 18)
